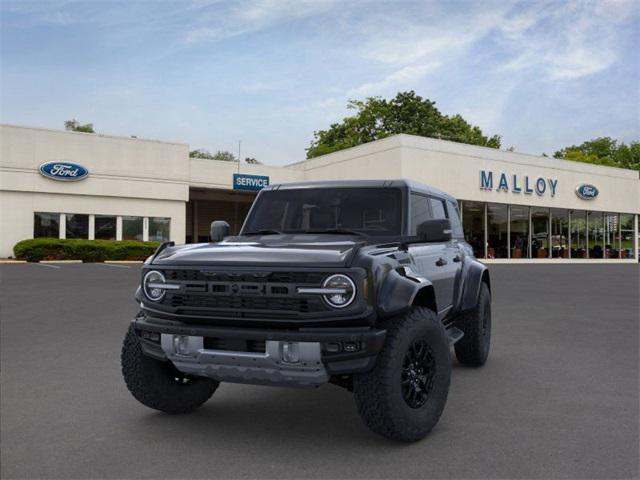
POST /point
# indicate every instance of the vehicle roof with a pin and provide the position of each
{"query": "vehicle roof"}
(395, 183)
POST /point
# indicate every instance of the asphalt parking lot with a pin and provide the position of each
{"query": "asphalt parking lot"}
(557, 399)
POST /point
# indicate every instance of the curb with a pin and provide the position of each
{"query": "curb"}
(124, 261)
(60, 261)
(7, 261)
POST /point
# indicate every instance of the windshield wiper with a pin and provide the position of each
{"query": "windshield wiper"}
(266, 231)
(339, 231)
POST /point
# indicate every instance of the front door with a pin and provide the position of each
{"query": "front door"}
(437, 262)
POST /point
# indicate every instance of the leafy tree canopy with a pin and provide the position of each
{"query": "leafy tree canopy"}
(219, 155)
(377, 118)
(604, 151)
(74, 126)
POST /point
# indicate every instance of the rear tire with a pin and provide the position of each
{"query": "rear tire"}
(159, 385)
(473, 348)
(404, 395)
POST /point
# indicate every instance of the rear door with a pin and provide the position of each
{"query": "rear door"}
(457, 251)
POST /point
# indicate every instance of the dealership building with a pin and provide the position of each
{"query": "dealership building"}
(515, 207)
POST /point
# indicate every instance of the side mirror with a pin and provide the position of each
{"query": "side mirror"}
(219, 230)
(435, 230)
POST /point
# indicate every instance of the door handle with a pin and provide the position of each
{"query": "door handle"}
(457, 258)
(441, 262)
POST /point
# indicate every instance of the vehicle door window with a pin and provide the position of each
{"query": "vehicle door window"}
(438, 209)
(454, 217)
(420, 211)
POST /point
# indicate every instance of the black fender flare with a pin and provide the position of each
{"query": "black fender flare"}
(399, 291)
(476, 273)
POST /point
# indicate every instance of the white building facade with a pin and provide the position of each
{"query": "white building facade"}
(515, 207)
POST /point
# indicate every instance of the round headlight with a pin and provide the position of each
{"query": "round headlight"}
(150, 285)
(344, 291)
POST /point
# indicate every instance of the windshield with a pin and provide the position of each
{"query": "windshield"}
(368, 211)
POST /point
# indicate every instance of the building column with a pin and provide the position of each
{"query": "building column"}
(118, 227)
(486, 232)
(549, 236)
(145, 229)
(570, 212)
(194, 222)
(530, 236)
(509, 231)
(63, 226)
(92, 227)
(635, 237)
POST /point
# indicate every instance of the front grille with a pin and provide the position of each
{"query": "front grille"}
(245, 303)
(219, 294)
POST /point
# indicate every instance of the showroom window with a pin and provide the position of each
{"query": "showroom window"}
(473, 225)
(105, 227)
(578, 234)
(159, 228)
(77, 225)
(132, 228)
(539, 232)
(626, 235)
(595, 236)
(46, 225)
(519, 236)
(497, 224)
(559, 233)
(611, 235)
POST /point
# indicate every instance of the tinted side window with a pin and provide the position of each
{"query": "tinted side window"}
(420, 211)
(437, 206)
(454, 217)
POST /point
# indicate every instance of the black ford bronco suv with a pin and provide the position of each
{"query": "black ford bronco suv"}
(363, 284)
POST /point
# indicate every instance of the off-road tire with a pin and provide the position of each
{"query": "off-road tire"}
(154, 383)
(379, 393)
(473, 348)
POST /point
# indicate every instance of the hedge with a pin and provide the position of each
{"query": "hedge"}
(37, 249)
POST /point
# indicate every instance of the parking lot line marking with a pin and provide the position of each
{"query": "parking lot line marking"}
(47, 265)
(113, 265)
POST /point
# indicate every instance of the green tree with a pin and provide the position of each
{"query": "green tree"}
(377, 118)
(74, 126)
(219, 155)
(603, 151)
(252, 161)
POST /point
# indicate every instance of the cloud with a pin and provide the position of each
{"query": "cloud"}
(250, 16)
(402, 78)
(565, 41)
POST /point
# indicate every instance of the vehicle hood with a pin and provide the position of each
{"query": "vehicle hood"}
(283, 250)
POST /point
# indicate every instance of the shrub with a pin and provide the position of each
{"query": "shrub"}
(37, 249)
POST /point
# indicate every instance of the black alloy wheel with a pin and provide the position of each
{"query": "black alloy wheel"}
(418, 372)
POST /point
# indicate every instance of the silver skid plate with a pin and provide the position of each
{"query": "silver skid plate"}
(189, 356)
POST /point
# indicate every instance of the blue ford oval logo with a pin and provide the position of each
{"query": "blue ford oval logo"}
(64, 171)
(586, 191)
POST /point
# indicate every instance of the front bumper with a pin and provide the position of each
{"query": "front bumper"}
(322, 352)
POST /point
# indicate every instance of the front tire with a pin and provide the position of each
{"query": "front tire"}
(473, 348)
(404, 395)
(159, 385)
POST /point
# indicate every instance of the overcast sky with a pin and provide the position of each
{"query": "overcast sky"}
(541, 74)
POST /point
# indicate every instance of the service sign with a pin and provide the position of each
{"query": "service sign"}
(63, 171)
(252, 183)
(587, 191)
